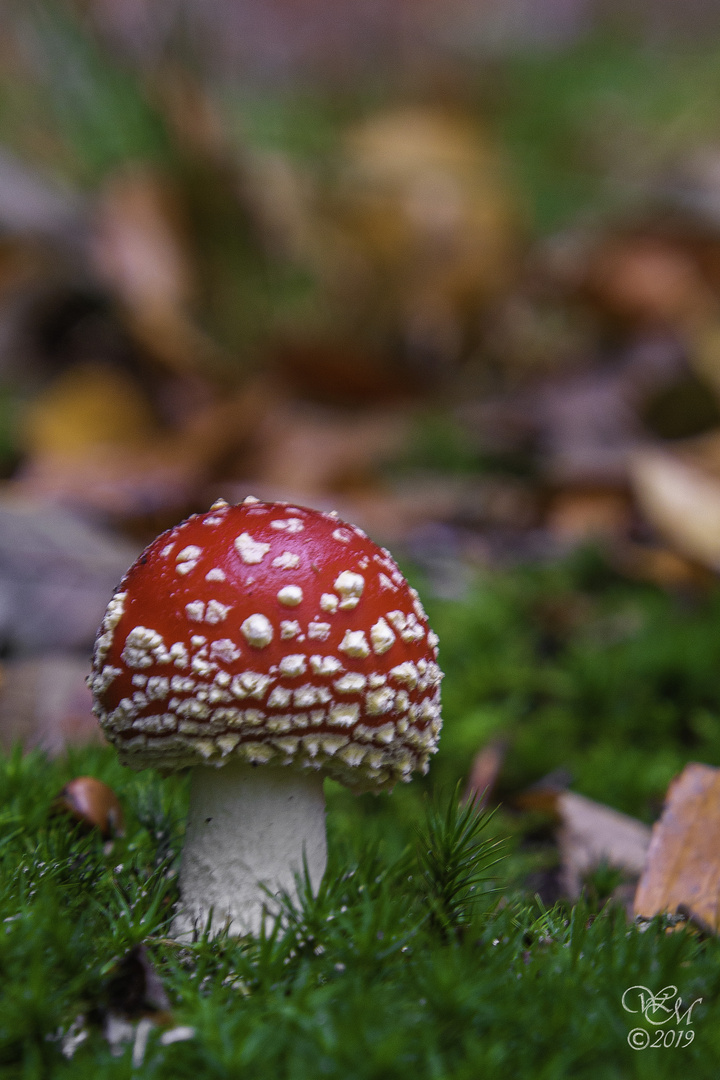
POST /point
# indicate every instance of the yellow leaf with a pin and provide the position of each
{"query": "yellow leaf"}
(683, 863)
(88, 405)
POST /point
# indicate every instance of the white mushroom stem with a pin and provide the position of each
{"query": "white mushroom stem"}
(247, 832)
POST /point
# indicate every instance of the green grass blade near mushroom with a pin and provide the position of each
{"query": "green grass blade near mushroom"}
(265, 646)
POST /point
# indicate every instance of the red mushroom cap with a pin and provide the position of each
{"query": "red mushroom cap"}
(269, 633)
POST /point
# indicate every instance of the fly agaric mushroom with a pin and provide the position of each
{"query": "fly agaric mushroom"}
(267, 635)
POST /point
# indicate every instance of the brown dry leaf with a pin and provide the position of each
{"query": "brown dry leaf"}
(314, 451)
(646, 280)
(683, 863)
(190, 111)
(338, 373)
(427, 185)
(227, 425)
(591, 833)
(93, 443)
(416, 233)
(140, 250)
(176, 342)
(581, 513)
(87, 405)
(140, 247)
(681, 500)
(661, 566)
(542, 796)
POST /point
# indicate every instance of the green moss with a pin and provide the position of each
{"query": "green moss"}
(363, 982)
(614, 681)
(407, 961)
(410, 961)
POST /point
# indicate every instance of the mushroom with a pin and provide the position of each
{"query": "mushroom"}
(92, 804)
(266, 635)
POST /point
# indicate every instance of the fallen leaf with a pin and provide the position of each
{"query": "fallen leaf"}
(582, 513)
(140, 246)
(91, 440)
(190, 111)
(661, 566)
(312, 450)
(88, 405)
(644, 280)
(591, 834)
(340, 373)
(683, 864)
(423, 192)
(681, 500)
(229, 424)
(141, 477)
(414, 233)
(142, 250)
(543, 796)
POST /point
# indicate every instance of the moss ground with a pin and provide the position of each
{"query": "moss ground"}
(418, 957)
